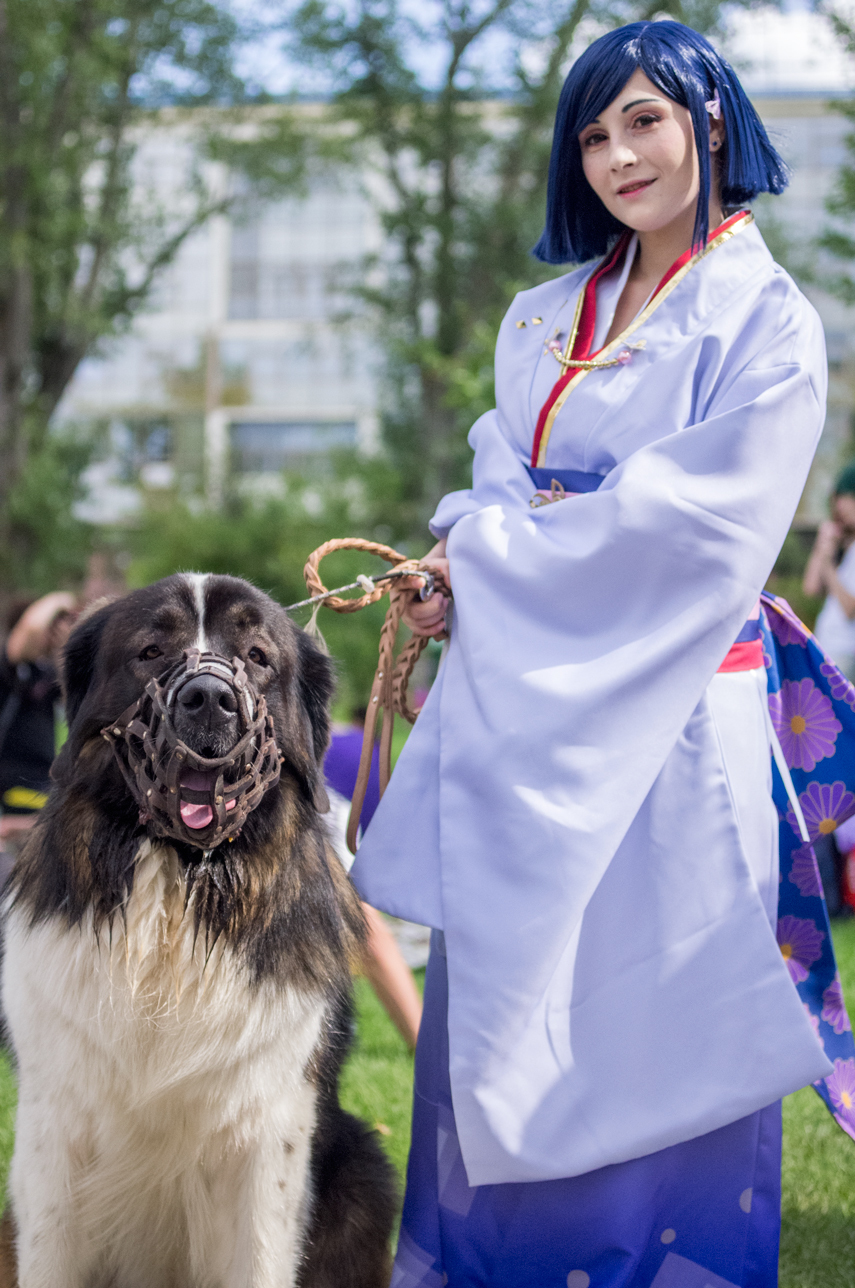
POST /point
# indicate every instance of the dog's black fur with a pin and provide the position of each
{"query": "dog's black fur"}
(276, 895)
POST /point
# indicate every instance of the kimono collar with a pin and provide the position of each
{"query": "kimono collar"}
(577, 359)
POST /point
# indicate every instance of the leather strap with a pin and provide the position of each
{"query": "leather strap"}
(392, 677)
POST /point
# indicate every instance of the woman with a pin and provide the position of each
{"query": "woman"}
(831, 569)
(609, 1025)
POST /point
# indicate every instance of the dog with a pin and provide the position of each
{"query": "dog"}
(177, 974)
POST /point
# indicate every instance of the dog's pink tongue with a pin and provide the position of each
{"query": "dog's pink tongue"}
(194, 815)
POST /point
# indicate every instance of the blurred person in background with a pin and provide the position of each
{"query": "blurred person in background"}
(831, 571)
(383, 965)
(29, 697)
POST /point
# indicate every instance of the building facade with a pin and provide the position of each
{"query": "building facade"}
(253, 355)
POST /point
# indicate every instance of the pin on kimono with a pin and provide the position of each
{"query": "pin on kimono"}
(592, 364)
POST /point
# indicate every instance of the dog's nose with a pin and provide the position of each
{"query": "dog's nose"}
(208, 701)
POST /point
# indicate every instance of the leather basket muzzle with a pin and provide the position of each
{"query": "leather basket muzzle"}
(182, 795)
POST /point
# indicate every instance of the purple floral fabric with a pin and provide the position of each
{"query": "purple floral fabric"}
(785, 626)
(825, 806)
(834, 1008)
(800, 942)
(813, 709)
(841, 688)
(805, 872)
(805, 723)
(841, 1090)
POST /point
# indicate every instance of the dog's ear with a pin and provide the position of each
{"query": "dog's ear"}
(316, 684)
(78, 659)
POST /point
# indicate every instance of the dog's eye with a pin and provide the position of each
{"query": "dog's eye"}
(257, 656)
(150, 653)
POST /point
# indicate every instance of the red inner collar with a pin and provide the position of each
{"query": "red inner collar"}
(588, 319)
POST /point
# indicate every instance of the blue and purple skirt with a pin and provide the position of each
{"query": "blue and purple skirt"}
(703, 1214)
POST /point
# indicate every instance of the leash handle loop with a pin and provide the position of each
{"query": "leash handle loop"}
(389, 691)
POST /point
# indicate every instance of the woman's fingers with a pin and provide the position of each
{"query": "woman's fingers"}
(426, 618)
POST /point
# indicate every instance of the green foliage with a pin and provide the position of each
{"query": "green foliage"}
(786, 578)
(47, 546)
(84, 230)
(836, 240)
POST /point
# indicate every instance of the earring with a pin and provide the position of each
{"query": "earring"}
(715, 143)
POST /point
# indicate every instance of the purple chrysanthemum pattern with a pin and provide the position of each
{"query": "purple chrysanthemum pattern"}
(805, 723)
(785, 630)
(804, 873)
(842, 690)
(814, 1019)
(825, 806)
(834, 1008)
(841, 1088)
(800, 942)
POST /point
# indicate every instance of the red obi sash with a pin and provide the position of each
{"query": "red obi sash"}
(746, 652)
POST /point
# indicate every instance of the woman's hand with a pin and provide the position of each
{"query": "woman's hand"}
(43, 628)
(822, 559)
(428, 617)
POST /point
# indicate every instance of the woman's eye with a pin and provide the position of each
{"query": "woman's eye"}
(256, 655)
(150, 653)
(645, 119)
(593, 140)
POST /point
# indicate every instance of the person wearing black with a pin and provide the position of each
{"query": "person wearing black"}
(29, 693)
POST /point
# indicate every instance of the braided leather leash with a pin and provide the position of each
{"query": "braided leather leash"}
(391, 680)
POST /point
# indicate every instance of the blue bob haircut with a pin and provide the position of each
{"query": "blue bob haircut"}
(683, 65)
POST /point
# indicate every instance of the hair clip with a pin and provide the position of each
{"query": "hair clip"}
(714, 107)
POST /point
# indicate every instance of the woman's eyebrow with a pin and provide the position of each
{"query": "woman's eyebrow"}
(635, 102)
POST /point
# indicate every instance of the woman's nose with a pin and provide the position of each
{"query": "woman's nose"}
(621, 155)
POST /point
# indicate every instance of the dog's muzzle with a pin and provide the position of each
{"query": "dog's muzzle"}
(181, 794)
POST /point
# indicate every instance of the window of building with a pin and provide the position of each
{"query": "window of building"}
(268, 447)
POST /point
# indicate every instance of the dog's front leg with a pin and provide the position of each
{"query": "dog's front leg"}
(260, 1203)
(54, 1249)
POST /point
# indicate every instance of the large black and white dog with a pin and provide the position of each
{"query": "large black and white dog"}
(180, 1012)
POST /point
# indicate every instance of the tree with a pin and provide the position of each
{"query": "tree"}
(82, 238)
(837, 240)
(460, 160)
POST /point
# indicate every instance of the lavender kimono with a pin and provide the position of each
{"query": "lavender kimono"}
(562, 811)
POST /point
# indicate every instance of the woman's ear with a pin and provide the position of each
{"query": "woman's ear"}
(716, 135)
(79, 659)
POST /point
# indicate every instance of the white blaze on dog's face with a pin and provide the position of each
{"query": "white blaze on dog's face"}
(199, 581)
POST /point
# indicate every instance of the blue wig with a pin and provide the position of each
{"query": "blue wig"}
(683, 65)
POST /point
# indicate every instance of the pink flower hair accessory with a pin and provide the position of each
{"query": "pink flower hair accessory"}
(714, 107)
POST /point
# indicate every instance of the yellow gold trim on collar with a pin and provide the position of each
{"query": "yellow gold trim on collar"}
(638, 321)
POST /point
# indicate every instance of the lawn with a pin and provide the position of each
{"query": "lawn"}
(818, 1235)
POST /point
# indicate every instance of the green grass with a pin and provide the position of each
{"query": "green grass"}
(818, 1229)
(818, 1234)
(377, 1083)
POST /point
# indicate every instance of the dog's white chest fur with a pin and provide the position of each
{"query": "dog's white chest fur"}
(166, 1113)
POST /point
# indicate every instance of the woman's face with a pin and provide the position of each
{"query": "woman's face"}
(640, 158)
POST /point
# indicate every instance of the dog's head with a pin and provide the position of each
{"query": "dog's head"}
(137, 662)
